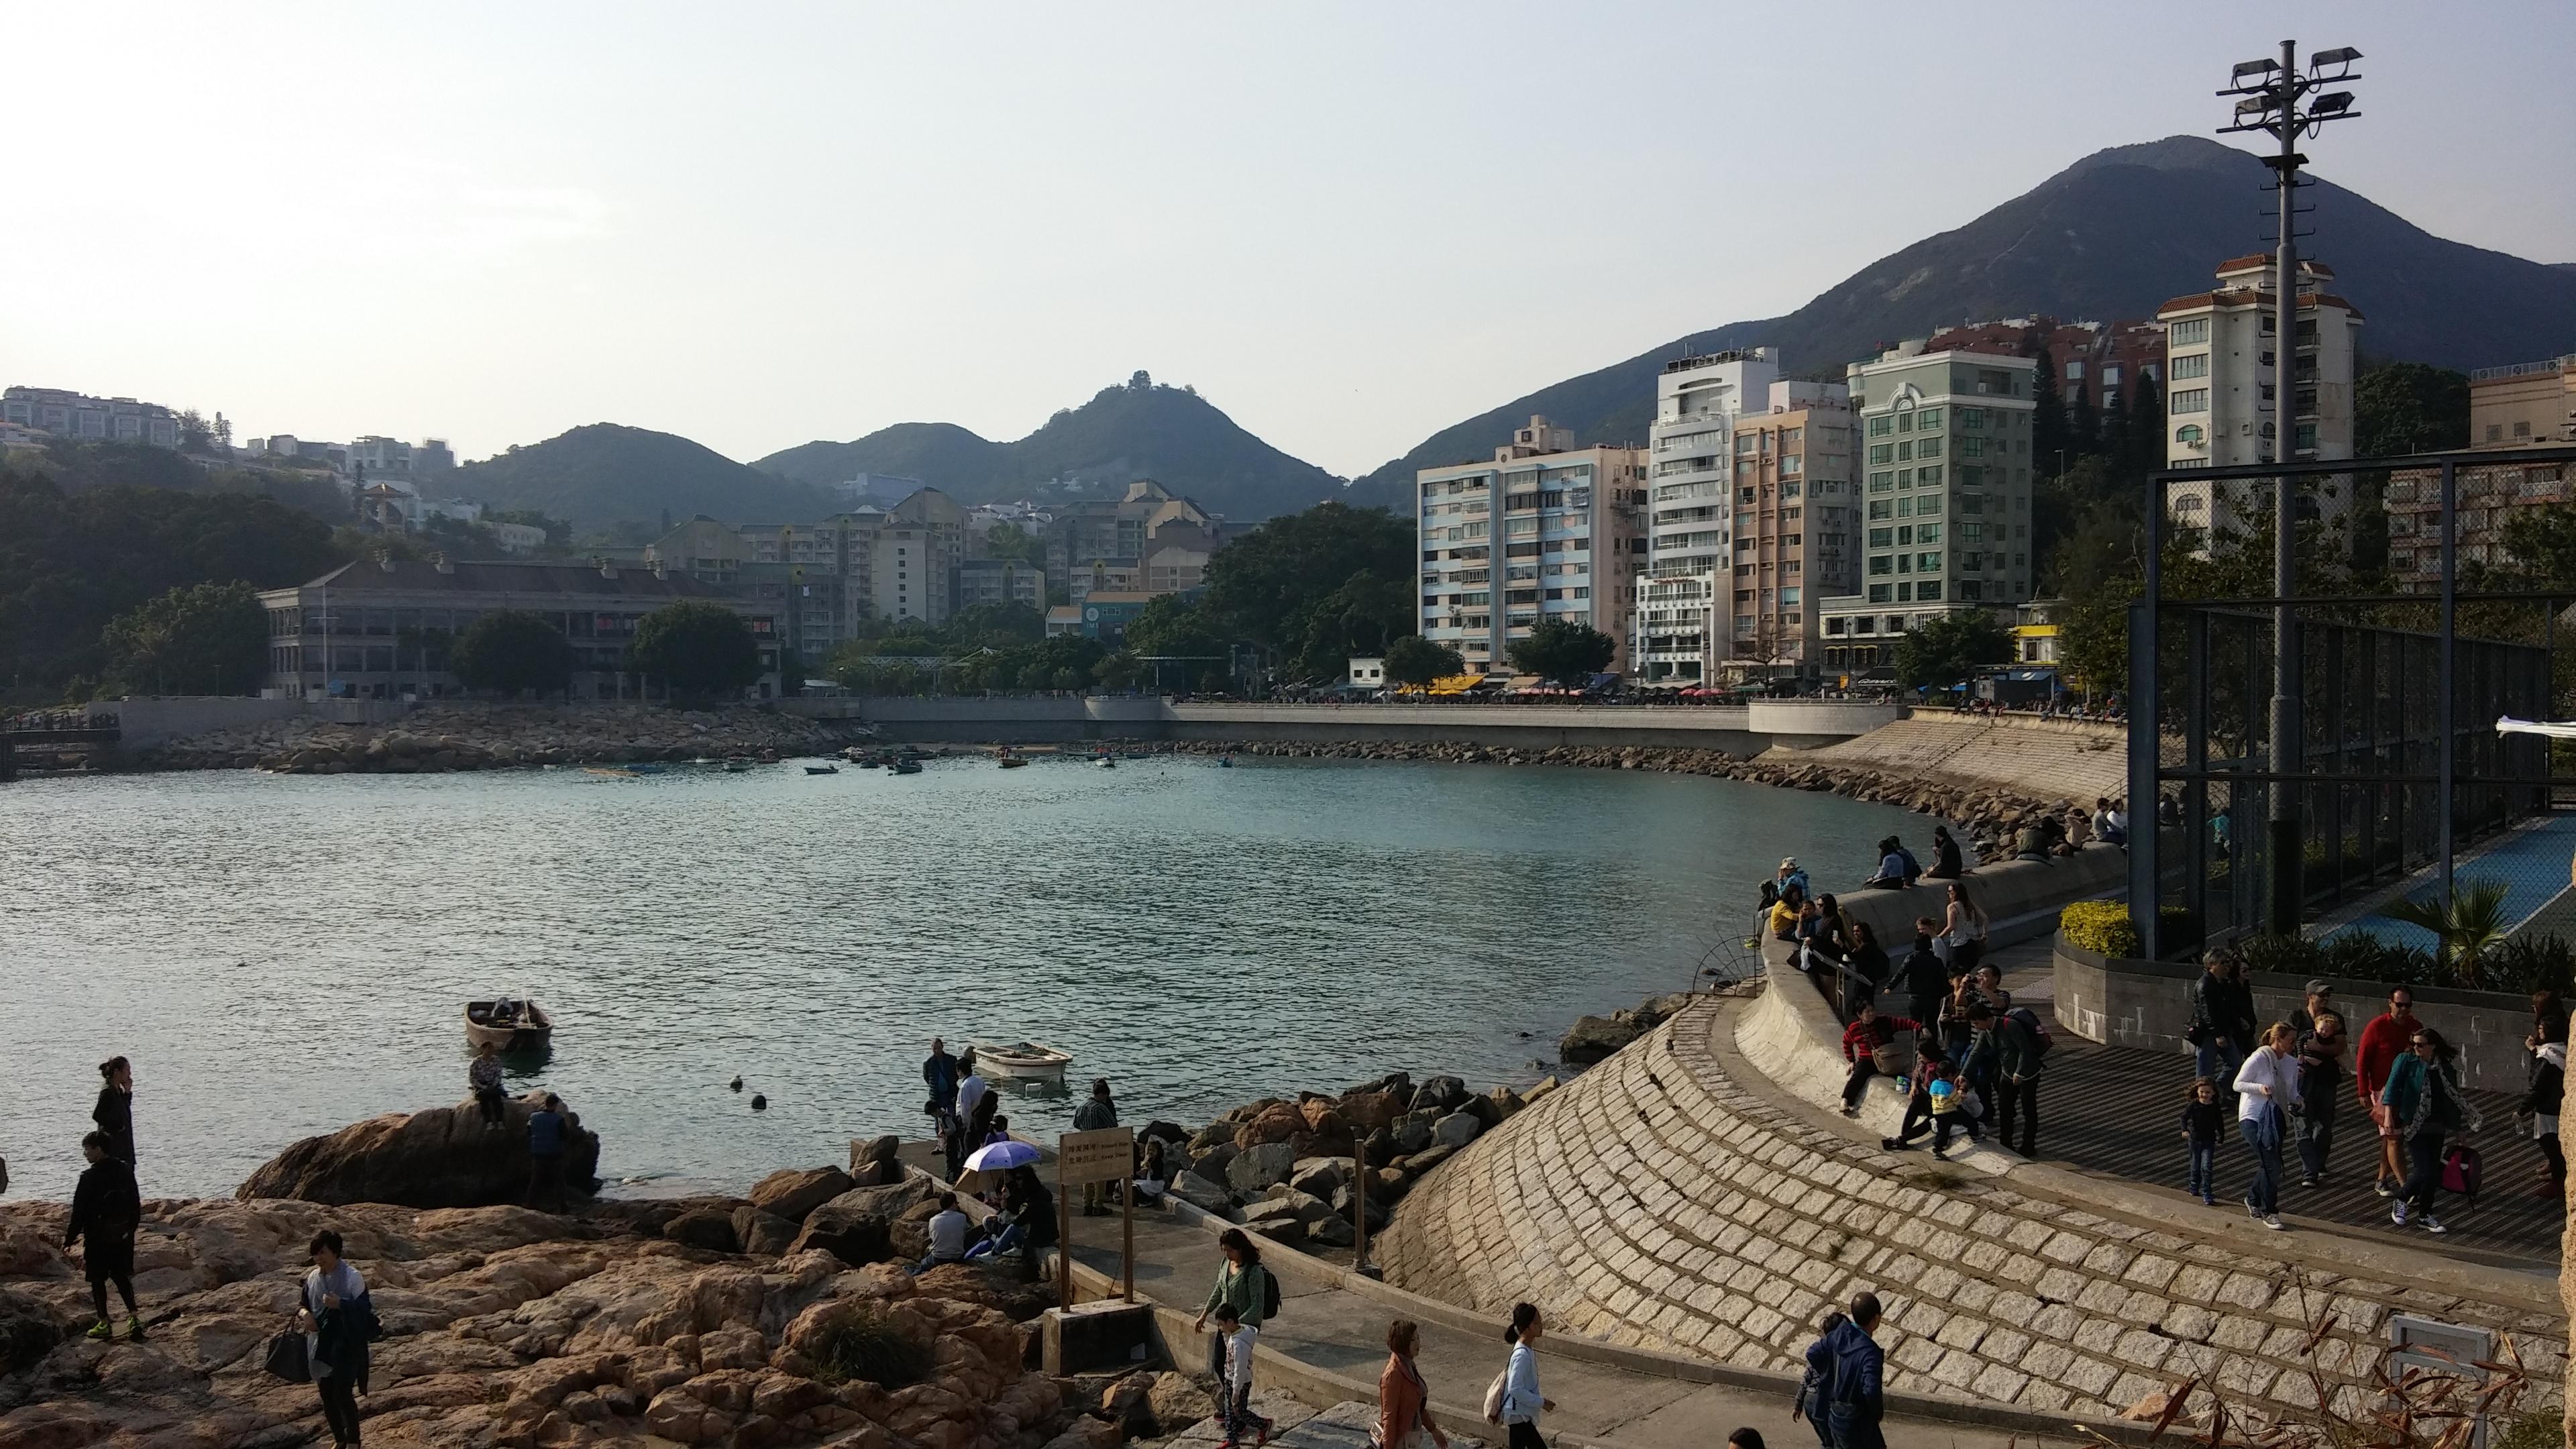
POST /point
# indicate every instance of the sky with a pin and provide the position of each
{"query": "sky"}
(1348, 225)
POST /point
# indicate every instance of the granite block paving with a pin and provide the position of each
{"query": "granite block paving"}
(1660, 1200)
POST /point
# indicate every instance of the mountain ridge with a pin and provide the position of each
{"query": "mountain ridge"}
(603, 473)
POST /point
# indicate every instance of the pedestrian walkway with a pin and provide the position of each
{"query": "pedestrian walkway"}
(1340, 1330)
(2116, 1110)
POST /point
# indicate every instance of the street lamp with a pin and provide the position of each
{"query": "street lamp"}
(2275, 99)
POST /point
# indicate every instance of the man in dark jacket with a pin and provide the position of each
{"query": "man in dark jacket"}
(106, 1209)
(1926, 978)
(2017, 1067)
(546, 1128)
(2222, 1021)
(1852, 1371)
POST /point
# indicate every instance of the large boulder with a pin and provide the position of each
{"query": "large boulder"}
(29, 1329)
(1594, 1038)
(858, 1226)
(1319, 1176)
(791, 1193)
(764, 1233)
(1256, 1168)
(1445, 1094)
(1178, 1403)
(1277, 1123)
(443, 1157)
(1275, 1218)
(1371, 1111)
(706, 1228)
(1200, 1193)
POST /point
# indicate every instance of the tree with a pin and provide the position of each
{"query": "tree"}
(2047, 416)
(1357, 618)
(2083, 429)
(2146, 435)
(513, 652)
(998, 625)
(203, 639)
(697, 648)
(1265, 586)
(2464, 927)
(1009, 540)
(1414, 661)
(1170, 627)
(2543, 541)
(1559, 650)
(1121, 670)
(2400, 408)
(1948, 648)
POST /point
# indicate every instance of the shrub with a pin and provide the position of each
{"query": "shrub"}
(868, 1348)
(2102, 927)
(2529, 963)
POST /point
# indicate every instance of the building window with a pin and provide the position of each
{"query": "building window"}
(1882, 426)
(2191, 365)
(2190, 400)
(1927, 563)
(2075, 372)
(1882, 452)
(1926, 419)
(2110, 376)
(1927, 590)
(2189, 331)
(1882, 482)
(1878, 593)
(2189, 435)
(1880, 564)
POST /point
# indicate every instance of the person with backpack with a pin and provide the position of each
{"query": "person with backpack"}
(1854, 1373)
(2021, 1054)
(1514, 1401)
(338, 1320)
(1248, 1296)
(106, 1210)
(2427, 1107)
(1925, 977)
(2267, 1092)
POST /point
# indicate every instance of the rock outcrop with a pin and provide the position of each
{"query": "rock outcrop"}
(441, 738)
(443, 1157)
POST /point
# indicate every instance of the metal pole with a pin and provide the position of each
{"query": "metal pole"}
(1127, 1248)
(2285, 655)
(1063, 1237)
(1359, 1203)
(2449, 701)
(2146, 791)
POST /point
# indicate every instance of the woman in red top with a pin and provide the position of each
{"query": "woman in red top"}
(2382, 1042)
(1861, 1040)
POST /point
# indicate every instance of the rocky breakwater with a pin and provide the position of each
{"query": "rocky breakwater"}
(437, 739)
(628, 1324)
(1987, 819)
(442, 1157)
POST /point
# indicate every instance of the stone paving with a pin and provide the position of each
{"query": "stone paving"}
(1671, 1198)
(2043, 759)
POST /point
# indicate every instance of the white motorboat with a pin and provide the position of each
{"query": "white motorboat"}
(513, 1024)
(1025, 1061)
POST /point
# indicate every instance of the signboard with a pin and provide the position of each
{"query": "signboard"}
(1108, 1155)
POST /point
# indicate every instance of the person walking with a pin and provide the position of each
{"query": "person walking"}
(1242, 1292)
(939, 1082)
(2321, 1050)
(338, 1321)
(2019, 1060)
(483, 1078)
(2427, 1107)
(1097, 1113)
(1855, 1378)
(2383, 1043)
(2540, 1105)
(106, 1210)
(1868, 1035)
(546, 1155)
(2221, 1031)
(1927, 980)
(2201, 1117)
(114, 1112)
(2267, 1092)
(1522, 1402)
(1964, 929)
(1810, 1403)
(1403, 1399)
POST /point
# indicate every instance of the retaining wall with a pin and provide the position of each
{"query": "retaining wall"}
(2147, 1004)
(2077, 760)
(145, 722)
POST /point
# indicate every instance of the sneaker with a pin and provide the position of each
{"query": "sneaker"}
(1850, 1111)
(2384, 1188)
(2397, 1213)
(1940, 1154)
(2273, 1221)
(1263, 1437)
(101, 1332)
(1890, 1144)
(2312, 1182)
(2431, 1224)
(2208, 1201)
(134, 1328)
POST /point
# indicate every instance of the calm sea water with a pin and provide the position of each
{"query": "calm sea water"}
(282, 955)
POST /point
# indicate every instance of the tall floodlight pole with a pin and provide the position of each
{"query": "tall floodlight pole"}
(2275, 99)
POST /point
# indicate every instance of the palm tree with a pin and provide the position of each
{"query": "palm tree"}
(2464, 927)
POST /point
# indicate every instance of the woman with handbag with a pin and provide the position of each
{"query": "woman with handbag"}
(338, 1320)
(1514, 1401)
(1403, 1399)
(2426, 1106)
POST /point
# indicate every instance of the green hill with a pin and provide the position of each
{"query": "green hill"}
(1139, 429)
(604, 474)
(2108, 238)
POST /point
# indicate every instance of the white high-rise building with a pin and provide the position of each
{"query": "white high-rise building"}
(1682, 627)
(2221, 372)
(1546, 529)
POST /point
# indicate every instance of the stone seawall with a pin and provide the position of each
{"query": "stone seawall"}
(443, 737)
(2077, 760)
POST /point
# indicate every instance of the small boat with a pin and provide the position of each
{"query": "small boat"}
(1106, 762)
(608, 773)
(1014, 762)
(737, 767)
(905, 767)
(822, 769)
(1225, 762)
(1025, 1061)
(511, 1023)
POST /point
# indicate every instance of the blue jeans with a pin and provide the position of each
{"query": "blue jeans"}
(2263, 1194)
(2204, 1168)
(2218, 1059)
(2316, 1138)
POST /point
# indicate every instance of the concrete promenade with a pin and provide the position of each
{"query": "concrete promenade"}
(1736, 730)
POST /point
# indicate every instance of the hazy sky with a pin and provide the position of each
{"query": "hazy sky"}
(1348, 225)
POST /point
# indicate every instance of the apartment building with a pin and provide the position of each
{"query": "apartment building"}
(1797, 527)
(2221, 381)
(80, 418)
(824, 579)
(1543, 530)
(2525, 405)
(1148, 539)
(2103, 360)
(2528, 404)
(996, 581)
(1945, 444)
(1680, 627)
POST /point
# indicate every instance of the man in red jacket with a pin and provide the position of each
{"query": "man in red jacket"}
(2382, 1043)
(1861, 1040)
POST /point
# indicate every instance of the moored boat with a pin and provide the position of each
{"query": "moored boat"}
(822, 769)
(1025, 1061)
(514, 1024)
(905, 767)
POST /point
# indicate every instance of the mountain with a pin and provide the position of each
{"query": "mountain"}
(605, 473)
(1138, 429)
(2108, 238)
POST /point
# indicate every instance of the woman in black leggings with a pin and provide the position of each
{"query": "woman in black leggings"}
(106, 1209)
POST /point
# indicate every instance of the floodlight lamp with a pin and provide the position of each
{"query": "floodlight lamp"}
(2328, 107)
(2246, 68)
(2340, 55)
(2252, 106)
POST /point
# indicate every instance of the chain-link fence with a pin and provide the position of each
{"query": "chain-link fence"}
(2430, 597)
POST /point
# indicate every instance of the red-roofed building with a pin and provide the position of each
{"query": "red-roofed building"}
(2104, 358)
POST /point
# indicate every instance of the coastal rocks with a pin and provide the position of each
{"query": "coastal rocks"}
(1594, 1038)
(792, 1194)
(29, 1329)
(1455, 1130)
(442, 737)
(1256, 1168)
(858, 1226)
(1200, 1193)
(443, 1157)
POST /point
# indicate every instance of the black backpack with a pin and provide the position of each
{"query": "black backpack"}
(1269, 1295)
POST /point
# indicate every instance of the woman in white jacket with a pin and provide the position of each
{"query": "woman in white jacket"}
(2267, 1088)
(1522, 1403)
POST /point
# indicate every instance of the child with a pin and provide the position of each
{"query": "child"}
(2202, 1119)
(1236, 1384)
(106, 1210)
(1958, 1109)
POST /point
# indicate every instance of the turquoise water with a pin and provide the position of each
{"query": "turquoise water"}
(282, 955)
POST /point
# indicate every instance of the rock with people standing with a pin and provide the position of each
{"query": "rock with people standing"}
(441, 1157)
